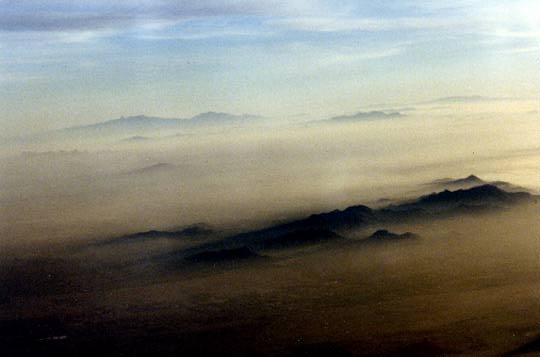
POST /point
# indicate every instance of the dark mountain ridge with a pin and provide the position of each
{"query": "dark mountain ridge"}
(326, 226)
(192, 231)
(474, 200)
(297, 238)
(383, 235)
(442, 203)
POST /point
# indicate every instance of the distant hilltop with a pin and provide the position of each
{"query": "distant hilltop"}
(143, 122)
(136, 128)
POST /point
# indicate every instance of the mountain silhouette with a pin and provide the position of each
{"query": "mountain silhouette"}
(145, 123)
(472, 181)
(321, 225)
(333, 226)
(446, 203)
(469, 180)
(215, 118)
(530, 348)
(193, 231)
(453, 184)
(365, 116)
(383, 235)
(479, 195)
(300, 238)
(136, 128)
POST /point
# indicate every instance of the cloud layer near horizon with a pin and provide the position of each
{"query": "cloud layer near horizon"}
(74, 62)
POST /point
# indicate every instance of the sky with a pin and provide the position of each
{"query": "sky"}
(66, 63)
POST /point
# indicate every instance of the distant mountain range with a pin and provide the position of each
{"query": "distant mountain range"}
(475, 199)
(333, 227)
(329, 229)
(297, 239)
(193, 231)
(363, 116)
(135, 128)
(445, 203)
(367, 116)
(141, 124)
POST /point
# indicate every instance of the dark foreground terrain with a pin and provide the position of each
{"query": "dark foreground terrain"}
(451, 273)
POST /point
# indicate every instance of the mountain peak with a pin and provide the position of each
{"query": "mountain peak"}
(142, 124)
(218, 117)
(385, 235)
(375, 114)
(471, 179)
(131, 118)
(466, 182)
(472, 195)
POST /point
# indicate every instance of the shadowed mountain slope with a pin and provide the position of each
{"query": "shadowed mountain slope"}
(322, 227)
(193, 231)
(384, 235)
(476, 198)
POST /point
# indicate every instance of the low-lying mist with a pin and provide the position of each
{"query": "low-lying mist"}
(116, 246)
(250, 176)
(463, 286)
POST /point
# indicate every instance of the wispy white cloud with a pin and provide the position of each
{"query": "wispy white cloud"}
(92, 15)
(291, 54)
(69, 21)
(332, 24)
(201, 35)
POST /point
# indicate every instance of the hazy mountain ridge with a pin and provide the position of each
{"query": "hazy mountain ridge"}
(445, 202)
(199, 230)
(329, 226)
(375, 114)
(472, 181)
(134, 128)
(469, 180)
(142, 122)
